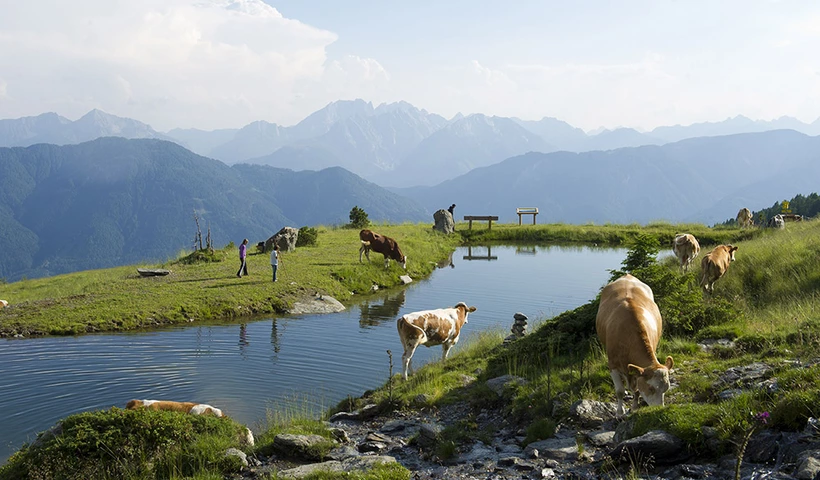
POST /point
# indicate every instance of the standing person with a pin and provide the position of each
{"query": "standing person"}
(274, 260)
(243, 267)
(451, 209)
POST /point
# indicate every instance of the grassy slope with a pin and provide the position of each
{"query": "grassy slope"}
(768, 302)
(119, 299)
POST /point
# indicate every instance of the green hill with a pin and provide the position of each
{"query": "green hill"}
(114, 201)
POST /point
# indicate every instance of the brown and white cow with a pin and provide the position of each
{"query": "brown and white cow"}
(714, 265)
(431, 328)
(744, 218)
(381, 244)
(629, 326)
(174, 406)
(3, 304)
(686, 248)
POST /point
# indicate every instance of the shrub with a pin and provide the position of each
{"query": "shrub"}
(308, 237)
(120, 443)
(358, 218)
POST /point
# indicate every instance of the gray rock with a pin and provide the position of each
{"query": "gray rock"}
(561, 449)
(746, 374)
(602, 439)
(285, 238)
(662, 447)
(340, 435)
(428, 434)
(395, 426)
(478, 453)
(342, 453)
(499, 384)
(299, 446)
(519, 316)
(405, 279)
(809, 466)
(235, 452)
(341, 416)
(591, 413)
(316, 305)
(444, 222)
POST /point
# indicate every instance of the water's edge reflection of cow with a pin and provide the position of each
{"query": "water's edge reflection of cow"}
(381, 244)
(429, 328)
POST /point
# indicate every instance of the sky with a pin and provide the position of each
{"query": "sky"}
(212, 64)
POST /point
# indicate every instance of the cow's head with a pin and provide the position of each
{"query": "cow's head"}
(651, 382)
(732, 251)
(463, 311)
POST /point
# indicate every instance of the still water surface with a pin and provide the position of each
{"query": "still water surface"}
(311, 360)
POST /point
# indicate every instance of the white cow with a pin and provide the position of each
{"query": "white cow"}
(430, 328)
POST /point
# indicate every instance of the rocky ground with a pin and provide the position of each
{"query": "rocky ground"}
(589, 444)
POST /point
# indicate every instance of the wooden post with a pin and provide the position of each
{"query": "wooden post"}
(519, 218)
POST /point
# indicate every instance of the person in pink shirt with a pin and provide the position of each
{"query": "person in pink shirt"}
(243, 267)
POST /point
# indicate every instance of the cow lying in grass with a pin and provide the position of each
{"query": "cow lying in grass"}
(185, 407)
(430, 328)
(629, 327)
(380, 244)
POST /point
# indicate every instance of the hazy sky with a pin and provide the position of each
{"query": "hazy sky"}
(224, 63)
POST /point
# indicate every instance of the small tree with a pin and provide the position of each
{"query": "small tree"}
(358, 218)
(307, 237)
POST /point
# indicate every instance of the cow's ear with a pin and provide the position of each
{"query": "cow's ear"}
(670, 363)
(733, 249)
(634, 369)
(471, 309)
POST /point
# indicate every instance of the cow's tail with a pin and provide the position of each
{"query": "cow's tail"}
(420, 330)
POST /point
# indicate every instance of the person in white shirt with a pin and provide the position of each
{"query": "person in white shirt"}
(274, 260)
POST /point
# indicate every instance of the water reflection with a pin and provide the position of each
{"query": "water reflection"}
(243, 340)
(525, 250)
(274, 337)
(373, 313)
(447, 262)
(489, 255)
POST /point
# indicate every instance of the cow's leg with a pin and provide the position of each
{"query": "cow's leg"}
(386, 262)
(445, 350)
(361, 251)
(407, 358)
(619, 391)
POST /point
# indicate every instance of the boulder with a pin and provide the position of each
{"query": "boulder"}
(285, 238)
(307, 447)
(591, 414)
(444, 222)
(662, 447)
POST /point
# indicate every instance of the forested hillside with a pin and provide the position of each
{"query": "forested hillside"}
(114, 201)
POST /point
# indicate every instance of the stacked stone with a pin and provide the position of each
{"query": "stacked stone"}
(519, 328)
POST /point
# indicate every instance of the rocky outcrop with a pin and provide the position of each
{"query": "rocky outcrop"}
(317, 304)
(444, 222)
(285, 238)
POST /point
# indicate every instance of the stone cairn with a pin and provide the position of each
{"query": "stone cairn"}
(519, 328)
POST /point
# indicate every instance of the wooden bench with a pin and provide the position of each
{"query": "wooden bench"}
(526, 211)
(484, 218)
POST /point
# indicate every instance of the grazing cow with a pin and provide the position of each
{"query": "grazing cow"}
(430, 328)
(744, 218)
(381, 244)
(4, 304)
(686, 248)
(629, 326)
(714, 265)
(777, 221)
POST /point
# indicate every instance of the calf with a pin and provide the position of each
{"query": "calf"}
(686, 248)
(430, 328)
(4, 304)
(714, 265)
(629, 326)
(381, 244)
(744, 218)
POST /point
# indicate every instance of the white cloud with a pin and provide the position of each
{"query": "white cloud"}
(203, 63)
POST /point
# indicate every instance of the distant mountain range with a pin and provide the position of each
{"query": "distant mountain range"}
(392, 144)
(114, 201)
(706, 179)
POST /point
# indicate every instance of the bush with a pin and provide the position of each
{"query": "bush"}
(358, 218)
(120, 443)
(308, 237)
